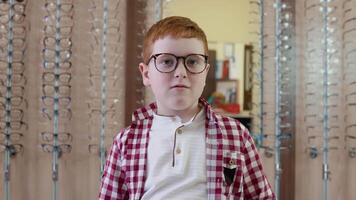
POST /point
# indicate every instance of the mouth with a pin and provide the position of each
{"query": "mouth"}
(179, 86)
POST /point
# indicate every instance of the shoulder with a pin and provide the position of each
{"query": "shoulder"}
(227, 125)
(141, 121)
(233, 131)
(133, 132)
(230, 125)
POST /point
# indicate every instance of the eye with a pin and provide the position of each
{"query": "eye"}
(166, 60)
(194, 60)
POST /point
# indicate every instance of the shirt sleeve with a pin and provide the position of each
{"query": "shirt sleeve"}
(256, 185)
(113, 180)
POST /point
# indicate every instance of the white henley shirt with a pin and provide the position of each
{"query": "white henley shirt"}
(176, 164)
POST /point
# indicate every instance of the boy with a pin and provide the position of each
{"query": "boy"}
(178, 147)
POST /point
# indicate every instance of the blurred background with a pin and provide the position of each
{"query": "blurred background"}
(69, 82)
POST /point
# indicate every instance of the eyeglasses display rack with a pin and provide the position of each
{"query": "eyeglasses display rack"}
(12, 83)
(104, 76)
(273, 122)
(257, 24)
(322, 86)
(283, 84)
(349, 49)
(56, 82)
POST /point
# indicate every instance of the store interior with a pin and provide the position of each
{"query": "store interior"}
(69, 82)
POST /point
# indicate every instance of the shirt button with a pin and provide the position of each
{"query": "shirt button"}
(179, 131)
(178, 151)
(232, 162)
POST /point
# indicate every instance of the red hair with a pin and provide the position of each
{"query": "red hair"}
(176, 27)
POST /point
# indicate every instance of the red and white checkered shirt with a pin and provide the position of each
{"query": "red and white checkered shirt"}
(234, 169)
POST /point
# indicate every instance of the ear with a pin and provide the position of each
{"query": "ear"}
(144, 73)
(207, 68)
(206, 72)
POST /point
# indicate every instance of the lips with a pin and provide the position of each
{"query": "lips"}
(179, 86)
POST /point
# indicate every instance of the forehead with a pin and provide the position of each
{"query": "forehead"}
(178, 46)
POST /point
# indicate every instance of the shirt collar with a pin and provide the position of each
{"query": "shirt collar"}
(150, 110)
(199, 116)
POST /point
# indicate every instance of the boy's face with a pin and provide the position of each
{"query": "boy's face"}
(177, 91)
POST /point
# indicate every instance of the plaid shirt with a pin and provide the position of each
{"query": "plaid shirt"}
(234, 169)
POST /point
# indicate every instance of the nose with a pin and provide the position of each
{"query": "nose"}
(180, 71)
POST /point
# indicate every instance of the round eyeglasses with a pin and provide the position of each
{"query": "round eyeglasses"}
(166, 62)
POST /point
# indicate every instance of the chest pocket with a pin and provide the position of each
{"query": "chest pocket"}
(232, 175)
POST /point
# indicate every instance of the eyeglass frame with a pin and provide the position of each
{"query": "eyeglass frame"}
(9, 100)
(57, 100)
(61, 136)
(65, 31)
(12, 148)
(62, 65)
(56, 89)
(62, 77)
(61, 113)
(177, 59)
(60, 148)
(14, 136)
(8, 125)
(18, 116)
(17, 67)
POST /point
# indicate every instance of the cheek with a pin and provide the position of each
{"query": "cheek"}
(159, 83)
(198, 87)
(199, 82)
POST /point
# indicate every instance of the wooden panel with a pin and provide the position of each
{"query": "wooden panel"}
(79, 174)
(79, 171)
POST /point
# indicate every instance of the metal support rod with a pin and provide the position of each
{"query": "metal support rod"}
(7, 174)
(56, 149)
(158, 10)
(277, 142)
(7, 152)
(325, 101)
(261, 58)
(102, 149)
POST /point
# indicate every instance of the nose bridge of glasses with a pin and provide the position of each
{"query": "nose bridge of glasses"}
(180, 66)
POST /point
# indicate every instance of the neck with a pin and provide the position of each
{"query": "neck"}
(185, 115)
